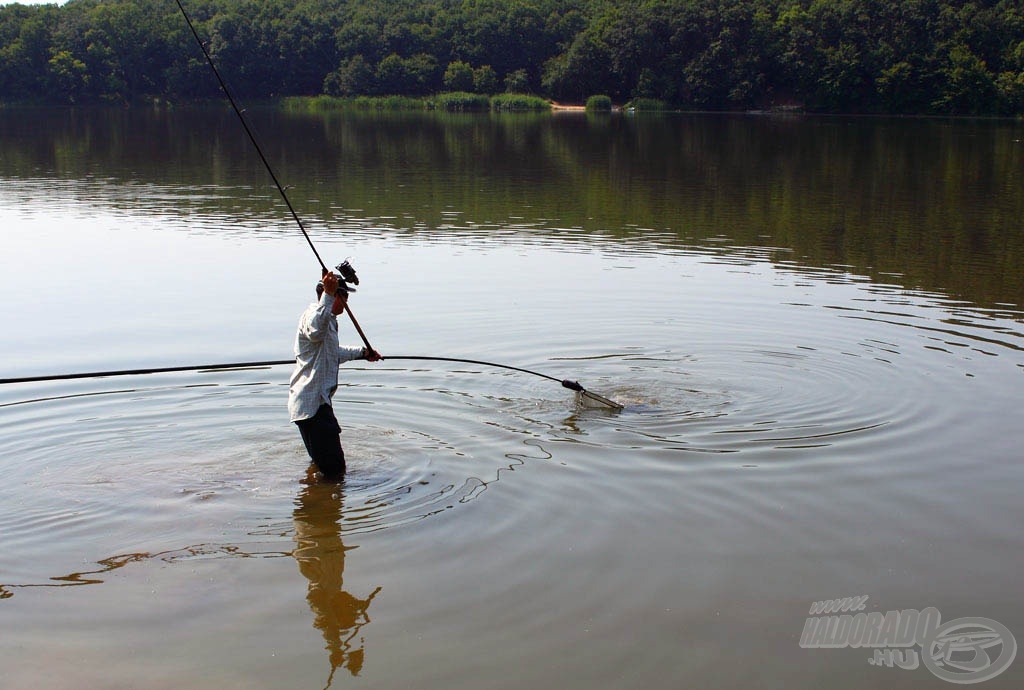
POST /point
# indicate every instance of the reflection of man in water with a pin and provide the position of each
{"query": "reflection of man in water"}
(338, 615)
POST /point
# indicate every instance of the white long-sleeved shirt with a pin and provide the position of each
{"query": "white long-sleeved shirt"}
(317, 357)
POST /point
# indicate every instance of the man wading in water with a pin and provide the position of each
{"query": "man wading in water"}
(317, 357)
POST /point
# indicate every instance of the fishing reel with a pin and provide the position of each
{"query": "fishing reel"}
(346, 272)
(348, 276)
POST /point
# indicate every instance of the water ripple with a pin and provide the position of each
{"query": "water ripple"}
(117, 473)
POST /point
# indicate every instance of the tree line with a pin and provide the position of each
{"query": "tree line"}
(864, 56)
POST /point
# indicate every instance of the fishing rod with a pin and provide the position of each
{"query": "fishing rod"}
(266, 163)
(566, 383)
(248, 131)
(347, 273)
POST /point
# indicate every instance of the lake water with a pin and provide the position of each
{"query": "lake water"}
(816, 327)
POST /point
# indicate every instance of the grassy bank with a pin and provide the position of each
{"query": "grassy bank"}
(450, 102)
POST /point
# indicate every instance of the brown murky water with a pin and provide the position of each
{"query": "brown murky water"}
(815, 326)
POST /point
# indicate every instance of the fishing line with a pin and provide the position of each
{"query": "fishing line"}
(266, 163)
(136, 372)
(565, 383)
(252, 137)
(571, 385)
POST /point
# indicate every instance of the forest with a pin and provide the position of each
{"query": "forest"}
(830, 56)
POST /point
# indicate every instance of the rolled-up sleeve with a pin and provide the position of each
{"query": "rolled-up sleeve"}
(347, 354)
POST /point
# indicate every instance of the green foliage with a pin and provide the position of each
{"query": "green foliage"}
(352, 77)
(324, 103)
(316, 104)
(485, 80)
(517, 81)
(969, 88)
(1010, 88)
(906, 56)
(389, 103)
(580, 70)
(68, 75)
(416, 75)
(462, 101)
(519, 102)
(599, 104)
(25, 52)
(457, 101)
(458, 76)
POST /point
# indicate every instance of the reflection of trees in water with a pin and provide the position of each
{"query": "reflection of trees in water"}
(337, 614)
(928, 204)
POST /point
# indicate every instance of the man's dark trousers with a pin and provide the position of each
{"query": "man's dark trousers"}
(322, 435)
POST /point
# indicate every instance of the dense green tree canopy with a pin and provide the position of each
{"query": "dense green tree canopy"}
(874, 56)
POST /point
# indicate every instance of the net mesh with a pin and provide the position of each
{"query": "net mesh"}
(591, 397)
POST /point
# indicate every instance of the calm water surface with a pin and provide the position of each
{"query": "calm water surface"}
(816, 327)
